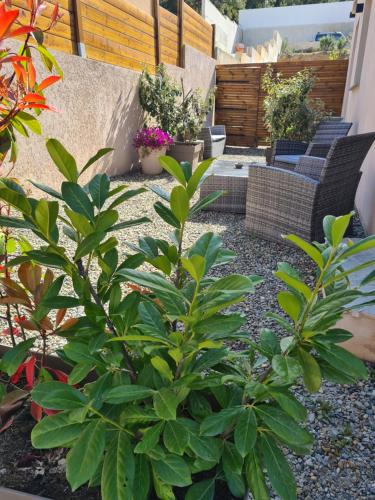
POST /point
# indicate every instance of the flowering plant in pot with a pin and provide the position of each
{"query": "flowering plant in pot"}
(152, 143)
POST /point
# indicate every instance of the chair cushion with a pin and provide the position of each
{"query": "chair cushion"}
(217, 138)
(293, 159)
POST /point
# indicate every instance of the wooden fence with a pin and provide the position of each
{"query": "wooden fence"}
(239, 102)
(117, 32)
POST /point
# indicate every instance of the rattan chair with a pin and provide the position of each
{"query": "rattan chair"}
(286, 154)
(214, 140)
(283, 202)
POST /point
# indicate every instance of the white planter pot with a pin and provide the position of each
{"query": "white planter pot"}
(150, 162)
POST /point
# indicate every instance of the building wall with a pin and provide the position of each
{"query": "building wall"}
(298, 23)
(98, 107)
(359, 106)
(227, 33)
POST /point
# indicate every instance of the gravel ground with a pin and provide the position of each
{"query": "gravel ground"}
(342, 465)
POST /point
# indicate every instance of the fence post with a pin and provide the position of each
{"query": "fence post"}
(181, 27)
(213, 41)
(81, 49)
(156, 11)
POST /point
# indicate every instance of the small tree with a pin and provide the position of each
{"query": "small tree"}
(290, 113)
(326, 43)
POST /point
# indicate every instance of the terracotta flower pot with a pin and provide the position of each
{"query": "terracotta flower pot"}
(189, 152)
(150, 160)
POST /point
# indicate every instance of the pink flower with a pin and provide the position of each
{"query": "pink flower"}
(16, 332)
(152, 138)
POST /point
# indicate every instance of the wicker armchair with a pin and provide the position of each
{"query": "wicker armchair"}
(283, 202)
(214, 140)
(286, 154)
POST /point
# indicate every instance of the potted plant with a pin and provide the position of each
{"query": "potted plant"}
(191, 116)
(180, 114)
(152, 143)
(290, 113)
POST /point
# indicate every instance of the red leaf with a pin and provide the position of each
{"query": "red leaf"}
(48, 81)
(16, 376)
(55, 13)
(15, 59)
(32, 97)
(36, 411)
(7, 18)
(24, 30)
(50, 412)
(31, 75)
(30, 4)
(30, 371)
(35, 105)
(59, 374)
(20, 72)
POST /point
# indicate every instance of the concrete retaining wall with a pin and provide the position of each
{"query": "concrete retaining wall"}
(298, 23)
(227, 33)
(98, 107)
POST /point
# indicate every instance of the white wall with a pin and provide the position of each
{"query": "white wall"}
(298, 23)
(228, 32)
(359, 108)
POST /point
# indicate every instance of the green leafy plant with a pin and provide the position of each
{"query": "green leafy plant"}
(290, 113)
(174, 110)
(340, 51)
(173, 408)
(326, 43)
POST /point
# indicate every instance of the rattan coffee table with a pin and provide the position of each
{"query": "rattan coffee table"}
(223, 175)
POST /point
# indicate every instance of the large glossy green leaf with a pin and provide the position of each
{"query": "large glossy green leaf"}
(343, 361)
(150, 438)
(15, 356)
(46, 189)
(116, 468)
(89, 244)
(16, 200)
(58, 396)
(165, 404)
(180, 203)
(220, 325)
(283, 426)
(311, 371)
(339, 227)
(309, 249)
(173, 470)
(294, 283)
(278, 469)
(125, 197)
(232, 459)
(197, 176)
(128, 393)
(142, 477)
(76, 198)
(204, 490)
(217, 423)
(94, 159)
(99, 189)
(166, 214)
(286, 367)
(46, 215)
(205, 202)
(84, 458)
(63, 160)
(174, 168)
(55, 431)
(13, 222)
(290, 304)
(175, 437)
(245, 432)
(255, 477)
(30, 121)
(360, 246)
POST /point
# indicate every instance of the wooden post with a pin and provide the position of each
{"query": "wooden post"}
(213, 41)
(81, 49)
(156, 9)
(181, 27)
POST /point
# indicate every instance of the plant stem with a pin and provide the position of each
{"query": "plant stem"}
(109, 421)
(110, 325)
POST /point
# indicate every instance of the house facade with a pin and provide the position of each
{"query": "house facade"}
(359, 102)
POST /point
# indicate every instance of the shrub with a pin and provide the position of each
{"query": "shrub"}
(179, 113)
(173, 407)
(290, 113)
(326, 43)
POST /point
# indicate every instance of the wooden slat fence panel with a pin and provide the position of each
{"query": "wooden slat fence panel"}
(117, 32)
(198, 33)
(239, 103)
